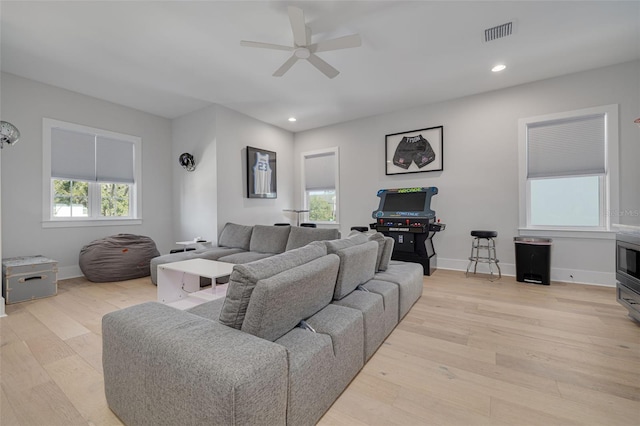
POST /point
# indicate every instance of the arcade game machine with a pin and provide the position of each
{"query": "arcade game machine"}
(405, 215)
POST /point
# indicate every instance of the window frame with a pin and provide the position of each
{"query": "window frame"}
(94, 218)
(608, 183)
(305, 199)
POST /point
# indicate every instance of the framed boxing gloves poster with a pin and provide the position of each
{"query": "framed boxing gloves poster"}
(416, 151)
(261, 173)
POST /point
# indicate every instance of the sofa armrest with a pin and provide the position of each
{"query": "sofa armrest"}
(166, 366)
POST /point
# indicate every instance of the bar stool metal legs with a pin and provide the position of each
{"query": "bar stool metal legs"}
(484, 240)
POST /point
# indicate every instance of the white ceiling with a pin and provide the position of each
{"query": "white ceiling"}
(171, 58)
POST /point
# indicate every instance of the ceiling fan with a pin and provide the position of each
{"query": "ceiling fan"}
(303, 48)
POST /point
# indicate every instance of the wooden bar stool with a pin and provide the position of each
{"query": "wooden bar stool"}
(484, 240)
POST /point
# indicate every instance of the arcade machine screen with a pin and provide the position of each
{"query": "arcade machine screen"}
(409, 202)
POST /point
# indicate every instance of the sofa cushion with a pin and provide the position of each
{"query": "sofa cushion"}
(280, 302)
(387, 252)
(209, 310)
(244, 257)
(236, 236)
(334, 246)
(390, 296)
(409, 279)
(322, 364)
(380, 239)
(301, 236)
(357, 266)
(372, 307)
(244, 278)
(269, 239)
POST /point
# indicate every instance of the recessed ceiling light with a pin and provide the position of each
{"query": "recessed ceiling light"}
(498, 68)
(292, 119)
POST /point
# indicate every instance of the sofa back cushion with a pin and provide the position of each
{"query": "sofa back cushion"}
(280, 302)
(301, 236)
(353, 240)
(378, 237)
(269, 239)
(235, 236)
(387, 251)
(357, 266)
(244, 278)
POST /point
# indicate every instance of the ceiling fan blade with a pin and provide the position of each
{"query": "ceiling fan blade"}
(286, 66)
(298, 26)
(345, 42)
(324, 67)
(265, 45)
(308, 38)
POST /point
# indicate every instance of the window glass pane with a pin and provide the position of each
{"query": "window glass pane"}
(70, 198)
(114, 199)
(322, 205)
(80, 189)
(62, 206)
(573, 201)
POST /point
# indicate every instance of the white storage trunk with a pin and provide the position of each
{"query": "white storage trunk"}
(29, 277)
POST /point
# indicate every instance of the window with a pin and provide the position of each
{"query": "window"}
(320, 185)
(91, 176)
(568, 169)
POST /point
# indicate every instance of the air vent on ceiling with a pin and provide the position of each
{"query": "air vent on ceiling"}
(499, 31)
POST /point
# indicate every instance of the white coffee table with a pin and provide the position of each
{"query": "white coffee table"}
(179, 282)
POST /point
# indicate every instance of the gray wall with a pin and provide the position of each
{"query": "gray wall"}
(478, 187)
(24, 103)
(215, 193)
(194, 193)
(235, 132)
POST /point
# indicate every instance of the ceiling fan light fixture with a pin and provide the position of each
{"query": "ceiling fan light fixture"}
(302, 53)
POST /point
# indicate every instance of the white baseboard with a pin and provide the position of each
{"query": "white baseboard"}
(607, 279)
(66, 272)
(577, 276)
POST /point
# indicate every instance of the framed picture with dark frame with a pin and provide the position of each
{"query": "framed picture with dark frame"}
(415, 151)
(261, 173)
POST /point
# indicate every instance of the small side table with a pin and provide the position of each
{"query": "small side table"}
(179, 281)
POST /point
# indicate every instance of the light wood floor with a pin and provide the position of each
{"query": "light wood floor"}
(470, 352)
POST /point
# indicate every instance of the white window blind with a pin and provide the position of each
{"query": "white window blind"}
(567, 147)
(89, 157)
(319, 171)
(72, 155)
(114, 160)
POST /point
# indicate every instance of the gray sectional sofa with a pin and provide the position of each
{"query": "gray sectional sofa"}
(293, 330)
(243, 244)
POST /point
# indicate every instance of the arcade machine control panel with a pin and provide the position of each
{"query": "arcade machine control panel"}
(405, 215)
